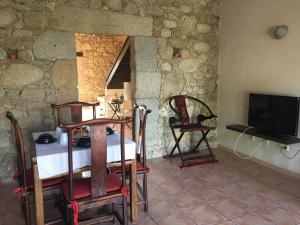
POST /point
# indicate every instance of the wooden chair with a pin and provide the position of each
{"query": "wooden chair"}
(76, 110)
(185, 124)
(102, 188)
(140, 114)
(24, 176)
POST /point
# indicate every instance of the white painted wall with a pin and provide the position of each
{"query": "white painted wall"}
(251, 61)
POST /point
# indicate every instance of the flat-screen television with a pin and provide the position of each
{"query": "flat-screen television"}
(274, 114)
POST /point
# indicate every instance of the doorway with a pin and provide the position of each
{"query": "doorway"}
(103, 67)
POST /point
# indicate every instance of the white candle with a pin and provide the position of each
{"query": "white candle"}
(127, 91)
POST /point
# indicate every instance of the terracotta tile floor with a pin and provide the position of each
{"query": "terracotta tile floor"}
(231, 192)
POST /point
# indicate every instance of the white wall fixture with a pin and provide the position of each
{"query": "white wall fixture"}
(127, 91)
(280, 32)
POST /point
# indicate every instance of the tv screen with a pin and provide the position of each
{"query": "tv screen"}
(274, 114)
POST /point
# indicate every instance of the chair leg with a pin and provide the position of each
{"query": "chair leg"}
(68, 214)
(145, 191)
(27, 211)
(125, 213)
(207, 143)
(71, 218)
(200, 141)
(113, 212)
(177, 141)
(175, 138)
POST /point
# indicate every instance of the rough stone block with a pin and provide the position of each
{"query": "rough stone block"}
(131, 8)
(166, 53)
(95, 4)
(101, 22)
(55, 45)
(145, 54)
(189, 65)
(33, 94)
(185, 8)
(23, 33)
(172, 84)
(201, 47)
(7, 17)
(170, 23)
(64, 78)
(25, 55)
(188, 24)
(36, 20)
(76, 3)
(203, 28)
(166, 66)
(114, 4)
(19, 75)
(2, 93)
(3, 54)
(203, 58)
(166, 33)
(24, 1)
(154, 10)
(13, 93)
(148, 85)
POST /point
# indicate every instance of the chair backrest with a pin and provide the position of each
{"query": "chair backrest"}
(76, 110)
(98, 137)
(20, 150)
(140, 113)
(178, 104)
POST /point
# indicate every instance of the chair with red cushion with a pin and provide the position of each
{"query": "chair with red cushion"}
(185, 124)
(140, 114)
(24, 176)
(102, 188)
(76, 110)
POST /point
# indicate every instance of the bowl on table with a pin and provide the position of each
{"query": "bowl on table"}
(84, 142)
(45, 139)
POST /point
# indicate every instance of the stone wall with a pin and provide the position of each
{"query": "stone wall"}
(185, 34)
(100, 52)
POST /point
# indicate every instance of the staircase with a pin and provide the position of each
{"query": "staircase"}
(120, 71)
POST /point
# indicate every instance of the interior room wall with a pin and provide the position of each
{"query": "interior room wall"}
(251, 61)
(45, 71)
(100, 53)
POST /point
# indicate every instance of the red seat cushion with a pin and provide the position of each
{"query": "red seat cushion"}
(82, 187)
(139, 169)
(45, 183)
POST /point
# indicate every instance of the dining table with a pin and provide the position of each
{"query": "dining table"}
(51, 160)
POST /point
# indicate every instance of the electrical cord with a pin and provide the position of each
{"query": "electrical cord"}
(257, 148)
(288, 157)
(253, 150)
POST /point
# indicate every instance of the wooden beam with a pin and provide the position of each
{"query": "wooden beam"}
(98, 160)
(133, 191)
(38, 191)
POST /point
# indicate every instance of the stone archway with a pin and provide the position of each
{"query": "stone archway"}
(59, 44)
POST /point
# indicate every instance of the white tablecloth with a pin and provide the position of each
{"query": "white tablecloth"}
(52, 159)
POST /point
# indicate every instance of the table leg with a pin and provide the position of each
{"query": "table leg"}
(133, 192)
(38, 191)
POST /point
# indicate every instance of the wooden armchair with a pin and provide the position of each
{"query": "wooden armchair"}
(184, 124)
(76, 110)
(24, 176)
(101, 188)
